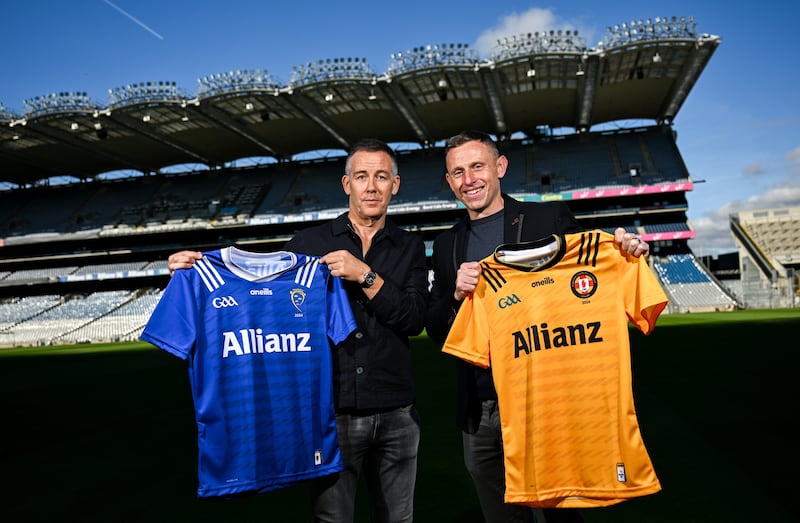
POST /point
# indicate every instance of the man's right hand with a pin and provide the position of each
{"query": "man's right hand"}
(182, 260)
(466, 279)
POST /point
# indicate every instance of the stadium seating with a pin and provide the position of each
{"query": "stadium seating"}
(303, 192)
(123, 323)
(689, 286)
(59, 322)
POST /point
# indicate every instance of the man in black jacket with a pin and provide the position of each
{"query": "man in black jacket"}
(386, 278)
(474, 170)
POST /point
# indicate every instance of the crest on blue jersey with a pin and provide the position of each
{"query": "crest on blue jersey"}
(298, 297)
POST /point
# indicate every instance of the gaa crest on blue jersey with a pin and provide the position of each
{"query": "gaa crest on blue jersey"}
(583, 284)
(298, 297)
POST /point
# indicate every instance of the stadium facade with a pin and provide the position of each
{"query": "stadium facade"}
(559, 109)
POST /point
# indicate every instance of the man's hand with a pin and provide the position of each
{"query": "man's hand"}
(631, 243)
(345, 265)
(466, 279)
(182, 260)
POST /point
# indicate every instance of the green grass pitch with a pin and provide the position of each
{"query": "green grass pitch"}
(99, 433)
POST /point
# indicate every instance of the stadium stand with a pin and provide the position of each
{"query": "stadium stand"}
(85, 261)
(768, 241)
(71, 313)
(123, 322)
(689, 286)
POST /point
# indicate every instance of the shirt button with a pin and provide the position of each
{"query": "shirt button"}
(359, 335)
(359, 370)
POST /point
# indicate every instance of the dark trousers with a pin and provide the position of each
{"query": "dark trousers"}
(483, 457)
(385, 447)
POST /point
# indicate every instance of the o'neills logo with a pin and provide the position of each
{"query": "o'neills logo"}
(261, 292)
(583, 284)
(547, 280)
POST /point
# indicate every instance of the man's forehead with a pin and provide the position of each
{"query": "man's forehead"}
(369, 160)
(468, 153)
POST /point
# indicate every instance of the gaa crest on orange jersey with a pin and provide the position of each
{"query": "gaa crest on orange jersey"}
(583, 284)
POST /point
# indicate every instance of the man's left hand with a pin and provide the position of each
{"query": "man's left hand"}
(631, 243)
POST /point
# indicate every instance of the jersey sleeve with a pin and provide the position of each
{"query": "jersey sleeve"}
(340, 316)
(173, 324)
(644, 297)
(468, 338)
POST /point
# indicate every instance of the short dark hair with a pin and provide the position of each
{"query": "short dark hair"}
(371, 145)
(471, 136)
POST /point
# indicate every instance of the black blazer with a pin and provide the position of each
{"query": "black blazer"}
(523, 221)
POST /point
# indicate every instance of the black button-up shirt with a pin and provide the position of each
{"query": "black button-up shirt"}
(373, 367)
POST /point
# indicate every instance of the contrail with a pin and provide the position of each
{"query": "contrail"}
(143, 26)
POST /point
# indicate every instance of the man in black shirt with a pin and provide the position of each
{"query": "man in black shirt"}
(386, 278)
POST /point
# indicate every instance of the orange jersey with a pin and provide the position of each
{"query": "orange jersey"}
(551, 317)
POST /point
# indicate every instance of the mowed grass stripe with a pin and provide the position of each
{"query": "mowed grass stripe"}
(106, 432)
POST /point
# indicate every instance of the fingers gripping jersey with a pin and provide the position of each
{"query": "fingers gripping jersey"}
(256, 329)
(552, 319)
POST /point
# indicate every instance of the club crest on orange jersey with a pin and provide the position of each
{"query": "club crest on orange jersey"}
(583, 284)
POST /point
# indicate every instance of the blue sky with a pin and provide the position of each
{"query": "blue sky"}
(739, 130)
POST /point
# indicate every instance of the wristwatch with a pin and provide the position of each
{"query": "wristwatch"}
(369, 279)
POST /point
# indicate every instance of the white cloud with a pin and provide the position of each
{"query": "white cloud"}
(532, 20)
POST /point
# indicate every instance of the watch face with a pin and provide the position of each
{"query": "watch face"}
(369, 279)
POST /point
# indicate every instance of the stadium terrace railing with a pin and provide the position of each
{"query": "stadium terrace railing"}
(658, 29)
(236, 81)
(554, 41)
(432, 56)
(58, 103)
(331, 69)
(142, 92)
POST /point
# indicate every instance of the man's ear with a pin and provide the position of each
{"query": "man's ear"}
(502, 165)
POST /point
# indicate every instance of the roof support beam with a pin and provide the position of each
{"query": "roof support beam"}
(220, 117)
(301, 102)
(82, 145)
(401, 104)
(701, 54)
(155, 135)
(587, 87)
(491, 88)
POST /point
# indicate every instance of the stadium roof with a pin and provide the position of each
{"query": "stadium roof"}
(547, 80)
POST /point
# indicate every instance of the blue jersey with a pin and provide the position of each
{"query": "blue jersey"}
(256, 330)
